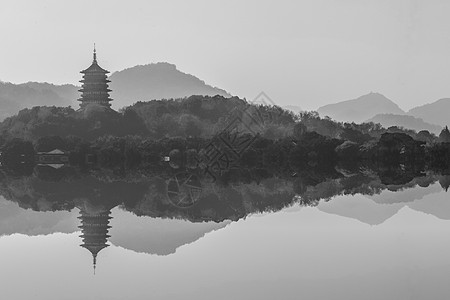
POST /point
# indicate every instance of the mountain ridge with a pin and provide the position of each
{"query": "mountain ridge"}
(360, 109)
(405, 121)
(437, 112)
(375, 107)
(160, 80)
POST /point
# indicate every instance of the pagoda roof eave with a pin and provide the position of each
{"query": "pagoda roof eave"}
(88, 100)
(102, 71)
(94, 68)
(88, 90)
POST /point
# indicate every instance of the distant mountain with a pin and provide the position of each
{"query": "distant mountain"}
(68, 92)
(139, 83)
(406, 121)
(437, 112)
(14, 97)
(360, 109)
(156, 81)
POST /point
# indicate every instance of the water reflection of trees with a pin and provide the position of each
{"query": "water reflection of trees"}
(236, 194)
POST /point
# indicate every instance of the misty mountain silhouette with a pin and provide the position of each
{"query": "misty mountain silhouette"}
(418, 189)
(437, 205)
(14, 219)
(139, 234)
(406, 121)
(67, 92)
(376, 209)
(360, 109)
(437, 112)
(360, 208)
(156, 81)
(14, 97)
(156, 235)
(139, 83)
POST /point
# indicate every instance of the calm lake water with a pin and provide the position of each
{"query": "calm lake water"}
(393, 245)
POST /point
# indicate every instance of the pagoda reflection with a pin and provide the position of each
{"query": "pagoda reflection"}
(94, 230)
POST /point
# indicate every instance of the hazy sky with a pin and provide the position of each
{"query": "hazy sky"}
(306, 53)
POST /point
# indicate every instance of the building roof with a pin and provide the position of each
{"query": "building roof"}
(54, 152)
(54, 166)
(95, 68)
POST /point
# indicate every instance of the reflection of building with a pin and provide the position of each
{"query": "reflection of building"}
(55, 158)
(94, 227)
(95, 85)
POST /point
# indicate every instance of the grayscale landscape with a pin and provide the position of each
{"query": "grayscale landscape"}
(225, 149)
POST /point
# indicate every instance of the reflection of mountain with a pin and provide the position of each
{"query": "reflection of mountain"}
(156, 235)
(404, 195)
(134, 212)
(217, 202)
(140, 234)
(360, 208)
(376, 209)
(437, 205)
(14, 219)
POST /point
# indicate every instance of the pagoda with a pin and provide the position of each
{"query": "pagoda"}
(94, 227)
(95, 85)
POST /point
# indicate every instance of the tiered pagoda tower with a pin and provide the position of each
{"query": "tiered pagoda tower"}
(94, 228)
(95, 85)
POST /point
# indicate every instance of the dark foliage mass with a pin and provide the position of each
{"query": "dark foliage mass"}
(142, 135)
(134, 157)
(195, 116)
(264, 180)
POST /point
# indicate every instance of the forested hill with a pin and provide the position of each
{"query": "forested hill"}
(150, 130)
(200, 116)
(195, 116)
